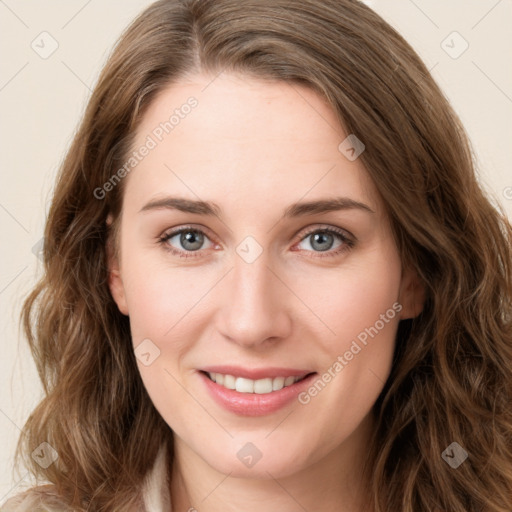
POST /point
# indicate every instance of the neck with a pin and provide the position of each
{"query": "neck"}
(334, 483)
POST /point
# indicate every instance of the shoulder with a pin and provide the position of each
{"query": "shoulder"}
(37, 499)
(155, 493)
(156, 487)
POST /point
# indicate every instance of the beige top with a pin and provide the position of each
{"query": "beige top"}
(156, 495)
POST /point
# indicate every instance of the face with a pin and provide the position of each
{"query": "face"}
(250, 287)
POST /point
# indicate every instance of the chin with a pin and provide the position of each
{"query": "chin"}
(258, 460)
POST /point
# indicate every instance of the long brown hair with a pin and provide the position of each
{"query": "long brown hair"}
(452, 375)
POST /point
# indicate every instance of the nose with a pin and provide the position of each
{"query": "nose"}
(254, 309)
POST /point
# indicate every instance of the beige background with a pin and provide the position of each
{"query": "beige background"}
(42, 100)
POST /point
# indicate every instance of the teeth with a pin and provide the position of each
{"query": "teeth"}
(278, 383)
(229, 381)
(289, 380)
(260, 386)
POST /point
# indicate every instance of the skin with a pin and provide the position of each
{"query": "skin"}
(255, 147)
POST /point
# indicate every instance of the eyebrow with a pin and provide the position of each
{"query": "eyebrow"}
(298, 209)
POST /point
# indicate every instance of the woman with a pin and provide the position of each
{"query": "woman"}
(201, 348)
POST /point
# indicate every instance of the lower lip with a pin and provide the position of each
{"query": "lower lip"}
(254, 404)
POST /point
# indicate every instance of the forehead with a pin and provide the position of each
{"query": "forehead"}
(237, 138)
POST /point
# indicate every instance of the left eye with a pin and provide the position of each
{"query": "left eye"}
(323, 240)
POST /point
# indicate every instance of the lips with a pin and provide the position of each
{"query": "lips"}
(261, 399)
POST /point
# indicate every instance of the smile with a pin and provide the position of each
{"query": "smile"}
(254, 392)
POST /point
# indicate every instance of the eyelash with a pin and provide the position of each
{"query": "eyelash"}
(348, 243)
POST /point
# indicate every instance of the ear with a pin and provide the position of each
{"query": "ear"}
(115, 281)
(412, 294)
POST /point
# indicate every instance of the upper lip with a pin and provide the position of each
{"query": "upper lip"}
(256, 373)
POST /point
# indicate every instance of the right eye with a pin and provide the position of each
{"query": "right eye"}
(190, 239)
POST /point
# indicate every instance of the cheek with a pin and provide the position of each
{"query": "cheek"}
(164, 320)
(160, 297)
(359, 312)
(352, 298)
